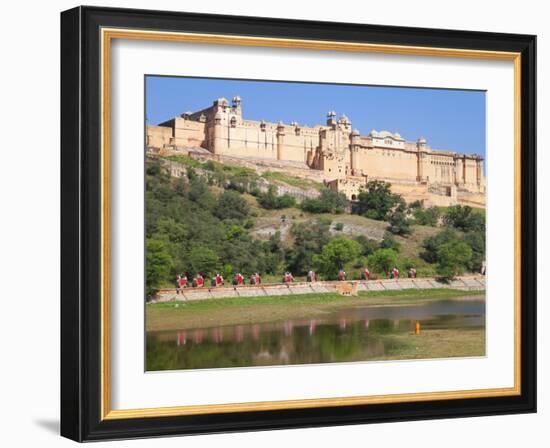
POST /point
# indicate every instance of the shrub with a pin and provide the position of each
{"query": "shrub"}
(405, 263)
(382, 260)
(476, 241)
(271, 201)
(432, 244)
(368, 245)
(335, 255)
(464, 218)
(328, 202)
(231, 205)
(158, 264)
(309, 239)
(416, 205)
(454, 257)
(389, 242)
(399, 224)
(427, 217)
(203, 260)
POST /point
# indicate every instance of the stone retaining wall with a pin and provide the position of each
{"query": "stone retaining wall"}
(470, 283)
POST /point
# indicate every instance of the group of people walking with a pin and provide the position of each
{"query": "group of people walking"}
(255, 279)
(394, 273)
(182, 281)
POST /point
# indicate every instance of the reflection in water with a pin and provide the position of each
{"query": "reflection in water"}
(352, 334)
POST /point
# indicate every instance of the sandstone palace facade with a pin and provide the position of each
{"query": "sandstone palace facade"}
(342, 153)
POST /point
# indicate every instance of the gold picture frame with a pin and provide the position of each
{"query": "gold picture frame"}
(109, 30)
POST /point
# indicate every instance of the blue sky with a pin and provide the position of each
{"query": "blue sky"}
(448, 119)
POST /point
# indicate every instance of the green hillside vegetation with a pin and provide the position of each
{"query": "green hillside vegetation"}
(286, 179)
(218, 221)
(222, 171)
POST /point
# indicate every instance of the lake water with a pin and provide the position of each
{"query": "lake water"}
(349, 334)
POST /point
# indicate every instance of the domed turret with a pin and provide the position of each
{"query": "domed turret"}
(221, 101)
(421, 143)
(344, 119)
(355, 136)
(331, 118)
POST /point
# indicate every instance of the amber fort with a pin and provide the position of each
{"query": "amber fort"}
(342, 157)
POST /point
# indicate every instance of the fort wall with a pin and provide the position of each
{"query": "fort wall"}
(333, 148)
(159, 136)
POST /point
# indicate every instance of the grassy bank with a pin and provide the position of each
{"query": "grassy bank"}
(440, 343)
(247, 310)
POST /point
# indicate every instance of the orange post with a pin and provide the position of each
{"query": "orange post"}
(417, 328)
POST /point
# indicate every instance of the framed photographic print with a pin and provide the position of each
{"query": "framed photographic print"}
(273, 223)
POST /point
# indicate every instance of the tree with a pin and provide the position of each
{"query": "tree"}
(399, 223)
(329, 201)
(406, 263)
(377, 201)
(168, 228)
(333, 201)
(382, 260)
(312, 205)
(158, 264)
(309, 239)
(454, 258)
(286, 201)
(268, 200)
(335, 255)
(427, 216)
(202, 260)
(476, 241)
(231, 205)
(271, 201)
(368, 245)
(234, 231)
(199, 192)
(432, 244)
(389, 242)
(475, 222)
(153, 168)
(275, 252)
(464, 218)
